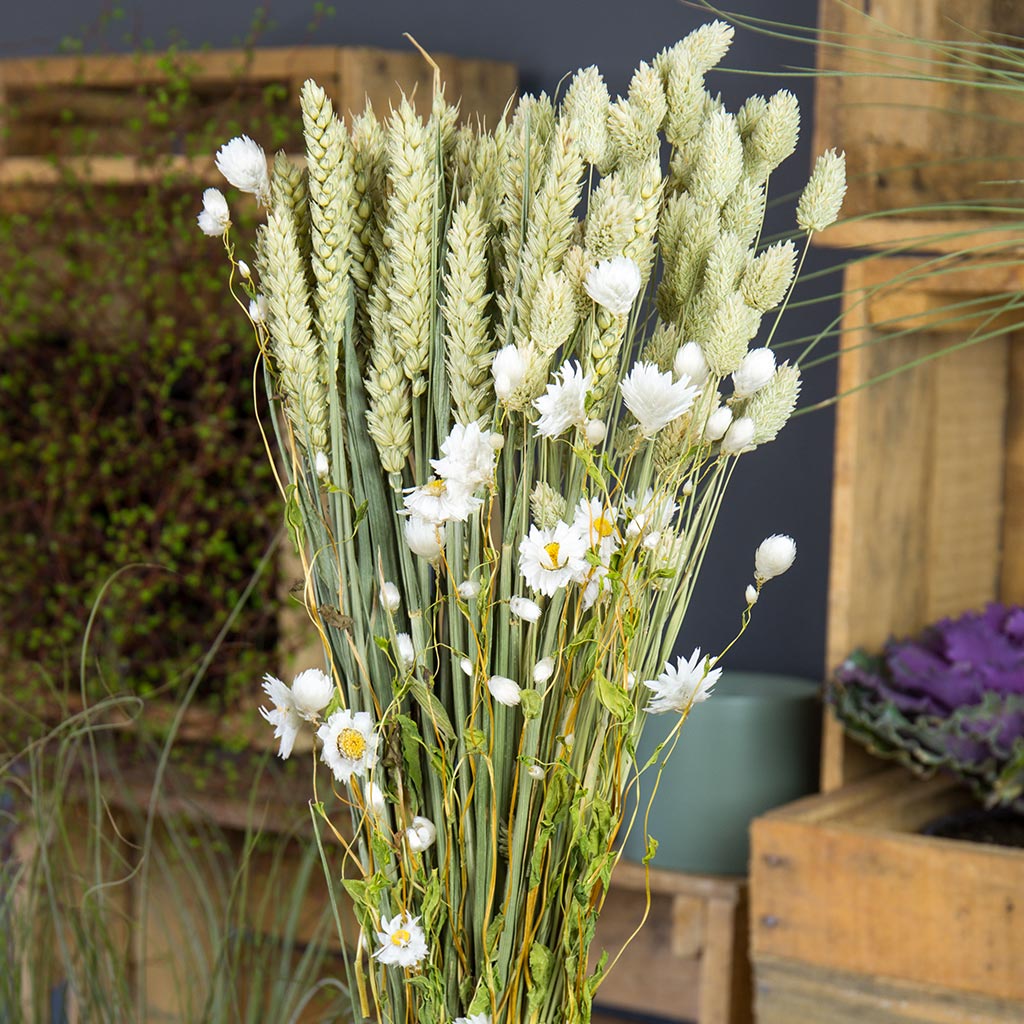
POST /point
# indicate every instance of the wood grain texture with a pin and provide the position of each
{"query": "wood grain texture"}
(916, 128)
(839, 881)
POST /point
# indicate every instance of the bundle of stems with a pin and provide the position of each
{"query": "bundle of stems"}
(514, 375)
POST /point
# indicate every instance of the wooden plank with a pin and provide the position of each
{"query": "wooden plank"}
(725, 986)
(858, 892)
(789, 992)
(1011, 580)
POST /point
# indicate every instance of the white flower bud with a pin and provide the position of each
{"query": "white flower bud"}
(321, 465)
(739, 437)
(468, 590)
(524, 608)
(405, 650)
(687, 487)
(467, 666)
(543, 670)
(690, 362)
(215, 217)
(774, 555)
(258, 309)
(312, 691)
(243, 269)
(751, 594)
(535, 772)
(424, 539)
(630, 681)
(508, 370)
(614, 284)
(421, 835)
(718, 423)
(244, 164)
(757, 368)
(374, 797)
(504, 690)
(595, 431)
(390, 597)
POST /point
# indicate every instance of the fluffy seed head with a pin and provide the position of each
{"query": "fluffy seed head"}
(774, 555)
(822, 198)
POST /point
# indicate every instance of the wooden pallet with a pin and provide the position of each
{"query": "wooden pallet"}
(917, 132)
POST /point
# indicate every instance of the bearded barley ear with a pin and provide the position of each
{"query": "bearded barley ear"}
(771, 407)
(773, 137)
(822, 197)
(468, 340)
(331, 195)
(726, 333)
(585, 109)
(547, 506)
(769, 275)
(718, 165)
(743, 213)
(609, 224)
(554, 314)
(295, 351)
(551, 224)
(411, 226)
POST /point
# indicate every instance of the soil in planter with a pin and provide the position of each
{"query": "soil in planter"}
(977, 825)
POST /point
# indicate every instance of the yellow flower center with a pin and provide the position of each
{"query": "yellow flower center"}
(552, 552)
(401, 938)
(435, 488)
(351, 744)
(602, 527)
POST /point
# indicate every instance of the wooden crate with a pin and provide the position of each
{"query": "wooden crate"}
(79, 113)
(917, 131)
(928, 501)
(855, 917)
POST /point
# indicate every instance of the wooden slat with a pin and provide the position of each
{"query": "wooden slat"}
(858, 892)
(789, 992)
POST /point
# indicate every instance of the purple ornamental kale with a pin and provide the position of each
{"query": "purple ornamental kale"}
(950, 698)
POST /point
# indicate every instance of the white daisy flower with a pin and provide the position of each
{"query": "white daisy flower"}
(476, 1018)
(597, 523)
(564, 404)
(421, 834)
(549, 559)
(350, 743)
(312, 691)
(774, 555)
(468, 590)
(543, 670)
(690, 362)
(524, 608)
(406, 651)
(244, 164)
(654, 398)
(424, 539)
(677, 689)
(215, 217)
(390, 596)
(258, 309)
(508, 370)
(469, 455)
(284, 717)
(437, 501)
(504, 690)
(757, 368)
(648, 516)
(595, 584)
(402, 942)
(614, 284)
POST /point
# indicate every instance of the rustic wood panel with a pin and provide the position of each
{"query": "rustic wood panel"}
(840, 882)
(916, 129)
(788, 992)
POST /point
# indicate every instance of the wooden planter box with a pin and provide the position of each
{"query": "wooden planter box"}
(854, 917)
(917, 129)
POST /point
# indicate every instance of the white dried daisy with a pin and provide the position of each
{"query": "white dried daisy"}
(438, 501)
(679, 688)
(405, 651)
(215, 217)
(718, 423)
(284, 716)
(598, 523)
(469, 454)
(402, 941)
(390, 596)
(690, 362)
(757, 368)
(614, 284)
(312, 691)
(349, 743)
(595, 432)
(524, 608)
(421, 834)
(504, 690)
(774, 555)
(739, 437)
(647, 516)
(244, 164)
(654, 398)
(258, 309)
(543, 670)
(564, 404)
(425, 539)
(508, 370)
(468, 590)
(549, 559)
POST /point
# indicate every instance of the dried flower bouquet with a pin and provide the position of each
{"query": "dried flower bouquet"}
(506, 432)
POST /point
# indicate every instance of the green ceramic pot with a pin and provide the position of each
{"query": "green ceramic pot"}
(753, 745)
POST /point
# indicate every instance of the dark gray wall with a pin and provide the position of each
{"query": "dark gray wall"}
(784, 487)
